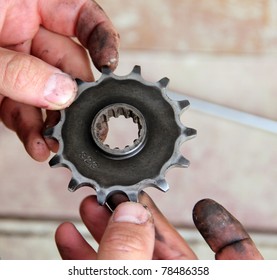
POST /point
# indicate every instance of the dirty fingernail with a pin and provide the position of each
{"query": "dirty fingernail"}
(131, 212)
(60, 89)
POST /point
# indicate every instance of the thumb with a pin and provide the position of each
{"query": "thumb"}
(130, 234)
(27, 79)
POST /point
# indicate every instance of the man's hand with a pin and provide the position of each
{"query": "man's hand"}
(140, 231)
(39, 60)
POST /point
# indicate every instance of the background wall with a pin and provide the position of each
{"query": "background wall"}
(219, 51)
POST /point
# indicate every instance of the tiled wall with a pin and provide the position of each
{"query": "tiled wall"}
(213, 49)
(220, 51)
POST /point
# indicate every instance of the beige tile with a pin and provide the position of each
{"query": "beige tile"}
(27, 240)
(32, 189)
(34, 240)
(232, 164)
(266, 244)
(246, 83)
(217, 25)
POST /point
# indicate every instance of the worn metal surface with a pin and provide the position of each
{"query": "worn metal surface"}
(139, 165)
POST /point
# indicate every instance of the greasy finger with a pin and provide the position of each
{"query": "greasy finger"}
(86, 20)
(27, 79)
(130, 234)
(94, 216)
(72, 245)
(27, 122)
(63, 53)
(52, 118)
(223, 232)
(169, 243)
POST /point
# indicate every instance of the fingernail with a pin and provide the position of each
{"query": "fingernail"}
(60, 89)
(131, 212)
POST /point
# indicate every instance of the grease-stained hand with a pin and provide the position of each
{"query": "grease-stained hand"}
(140, 231)
(39, 60)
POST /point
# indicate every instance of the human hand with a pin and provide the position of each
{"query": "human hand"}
(137, 232)
(39, 60)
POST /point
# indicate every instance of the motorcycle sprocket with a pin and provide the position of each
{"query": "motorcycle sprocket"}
(141, 164)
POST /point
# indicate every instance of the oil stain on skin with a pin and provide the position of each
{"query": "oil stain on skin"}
(217, 226)
(158, 236)
(97, 34)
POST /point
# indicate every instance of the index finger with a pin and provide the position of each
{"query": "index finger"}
(223, 232)
(86, 20)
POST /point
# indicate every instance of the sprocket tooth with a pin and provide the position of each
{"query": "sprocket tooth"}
(183, 104)
(79, 82)
(182, 162)
(190, 132)
(73, 185)
(136, 70)
(101, 197)
(48, 132)
(163, 82)
(106, 70)
(56, 161)
(132, 196)
(162, 185)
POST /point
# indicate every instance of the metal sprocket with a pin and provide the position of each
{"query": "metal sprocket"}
(137, 166)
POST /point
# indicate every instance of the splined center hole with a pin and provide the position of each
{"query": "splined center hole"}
(119, 130)
(122, 132)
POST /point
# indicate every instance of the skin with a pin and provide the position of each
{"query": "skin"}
(36, 54)
(154, 238)
(32, 50)
(223, 232)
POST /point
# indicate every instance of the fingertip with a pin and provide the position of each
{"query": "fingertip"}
(66, 227)
(29, 80)
(132, 212)
(223, 232)
(37, 149)
(98, 35)
(64, 234)
(67, 239)
(202, 208)
(130, 234)
(60, 91)
(217, 226)
(71, 244)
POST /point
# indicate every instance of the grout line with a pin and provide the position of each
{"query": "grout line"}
(32, 230)
(40, 226)
(226, 113)
(23, 227)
